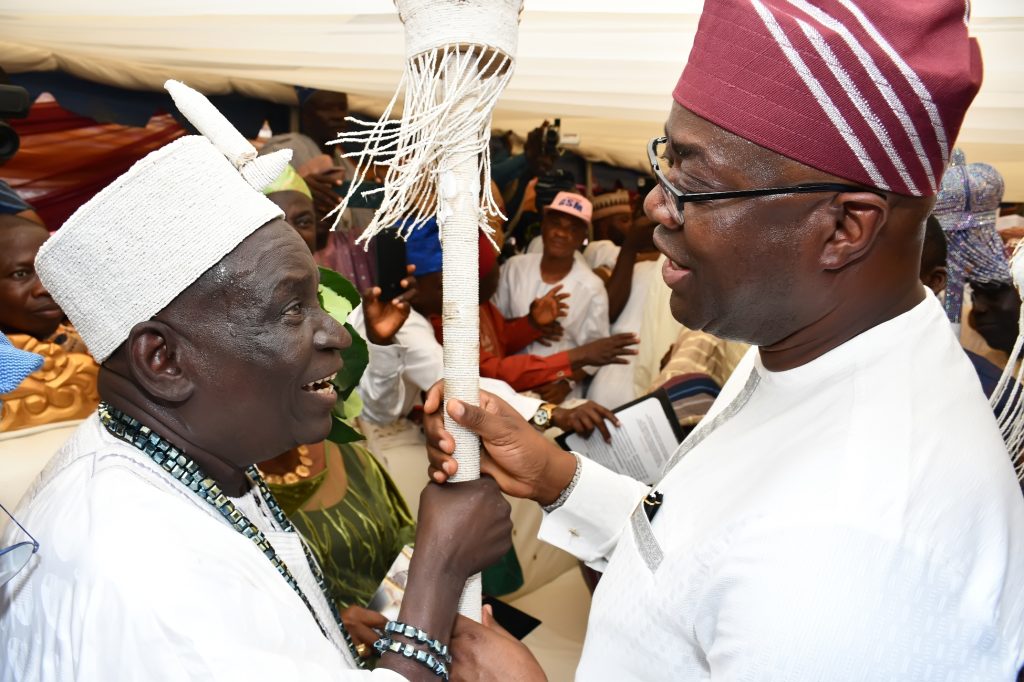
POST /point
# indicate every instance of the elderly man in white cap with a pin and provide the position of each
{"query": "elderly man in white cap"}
(162, 554)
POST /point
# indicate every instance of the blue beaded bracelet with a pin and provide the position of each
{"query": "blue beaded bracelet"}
(420, 636)
(436, 665)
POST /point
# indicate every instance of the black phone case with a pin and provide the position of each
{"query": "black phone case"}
(390, 250)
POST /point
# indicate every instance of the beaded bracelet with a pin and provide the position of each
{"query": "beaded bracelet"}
(420, 636)
(436, 665)
(568, 489)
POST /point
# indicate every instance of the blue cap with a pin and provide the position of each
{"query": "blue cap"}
(303, 93)
(423, 248)
(15, 365)
(10, 202)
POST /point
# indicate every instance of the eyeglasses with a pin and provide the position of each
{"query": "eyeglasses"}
(988, 287)
(15, 557)
(682, 198)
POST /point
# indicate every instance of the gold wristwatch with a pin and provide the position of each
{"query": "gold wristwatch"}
(542, 417)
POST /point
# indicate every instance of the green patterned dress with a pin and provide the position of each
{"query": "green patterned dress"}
(355, 528)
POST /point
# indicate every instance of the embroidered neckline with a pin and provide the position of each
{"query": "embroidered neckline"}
(183, 469)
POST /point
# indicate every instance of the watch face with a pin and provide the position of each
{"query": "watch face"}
(542, 417)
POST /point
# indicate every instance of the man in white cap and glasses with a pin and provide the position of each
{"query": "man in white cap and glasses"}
(847, 509)
(162, 554)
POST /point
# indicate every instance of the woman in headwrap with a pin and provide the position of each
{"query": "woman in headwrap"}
(337, 494)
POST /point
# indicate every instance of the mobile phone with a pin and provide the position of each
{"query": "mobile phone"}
(390, 257)
(518, 623)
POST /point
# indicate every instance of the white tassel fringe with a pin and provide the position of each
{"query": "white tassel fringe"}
(439, 164)
(431, 133)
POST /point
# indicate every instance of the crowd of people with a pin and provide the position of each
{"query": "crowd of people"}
(842, 506)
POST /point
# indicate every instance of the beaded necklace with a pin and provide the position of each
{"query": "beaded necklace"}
(183, 469)
(301, 471)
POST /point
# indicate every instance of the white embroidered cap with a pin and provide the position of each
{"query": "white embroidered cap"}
(131, 249)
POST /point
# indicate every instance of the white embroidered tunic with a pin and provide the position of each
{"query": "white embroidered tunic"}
(612, 385)
(587, 319)
(857, 518)
(137, 578)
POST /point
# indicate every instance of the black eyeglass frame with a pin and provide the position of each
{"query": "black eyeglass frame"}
(681, 198)
(992, 286)
(34, 542)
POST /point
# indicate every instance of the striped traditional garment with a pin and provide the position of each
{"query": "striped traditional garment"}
(698, 367)
(64, 388)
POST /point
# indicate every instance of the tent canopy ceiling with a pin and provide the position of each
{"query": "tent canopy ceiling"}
(605, 68)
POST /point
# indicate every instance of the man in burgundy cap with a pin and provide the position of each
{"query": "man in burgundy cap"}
(847, 509)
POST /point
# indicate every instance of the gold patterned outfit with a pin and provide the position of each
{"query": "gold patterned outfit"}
(64, 388)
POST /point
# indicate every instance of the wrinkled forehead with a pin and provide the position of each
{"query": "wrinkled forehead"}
(245, 282)
(14, 227)
(698, 143)
(20, 242)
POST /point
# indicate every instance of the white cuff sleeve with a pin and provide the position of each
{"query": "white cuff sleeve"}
(381, 386)
(384, 675)
(590, 522)
(524, 405)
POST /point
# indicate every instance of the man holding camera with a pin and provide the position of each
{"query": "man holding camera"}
(14, 103)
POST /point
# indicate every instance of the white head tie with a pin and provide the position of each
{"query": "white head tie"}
(130, 250)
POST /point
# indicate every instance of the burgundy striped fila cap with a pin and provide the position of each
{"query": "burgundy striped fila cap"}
(873, 91)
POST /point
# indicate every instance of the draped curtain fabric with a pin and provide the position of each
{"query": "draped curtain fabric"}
(65, 159)
(606, 68)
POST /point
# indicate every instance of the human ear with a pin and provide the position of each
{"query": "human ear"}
(859, 218)
(155, 361)
(936, 279)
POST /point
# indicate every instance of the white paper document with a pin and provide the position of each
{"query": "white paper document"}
(640, 447)
(388, 598)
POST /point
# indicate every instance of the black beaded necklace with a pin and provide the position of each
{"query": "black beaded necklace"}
(183, 469)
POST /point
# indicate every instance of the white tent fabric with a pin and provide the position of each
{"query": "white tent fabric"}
(605, 68)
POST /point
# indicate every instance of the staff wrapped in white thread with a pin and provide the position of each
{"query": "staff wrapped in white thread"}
(460, 55)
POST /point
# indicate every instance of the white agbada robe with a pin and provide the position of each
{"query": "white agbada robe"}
(397, 373)
(658, 332)
(137, 578)
(612, 385)
(856, 519)
(587, 318)
(602, 253)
